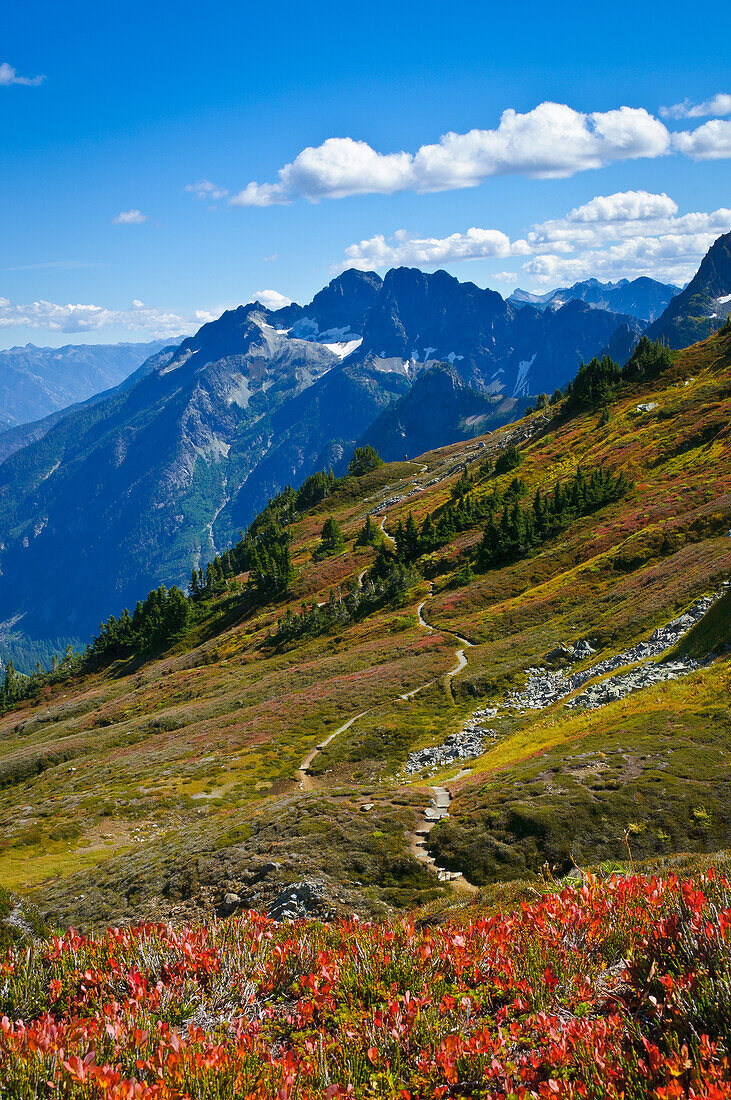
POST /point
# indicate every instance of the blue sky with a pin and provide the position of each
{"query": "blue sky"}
(105, 236)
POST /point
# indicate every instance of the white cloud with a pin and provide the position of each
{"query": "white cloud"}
(204, 189)
(718, 105)
(129, 217)
(552, 140)
(624, 206)
(671, 258)
(80, 318)
(625, 234)
(402, 250)
(338, 167)
(271, 299)
(608, 218)
(711, 141)
(8, 76)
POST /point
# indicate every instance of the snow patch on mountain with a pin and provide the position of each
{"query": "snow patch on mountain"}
(308, 329)
(521, 382)
(343, 348)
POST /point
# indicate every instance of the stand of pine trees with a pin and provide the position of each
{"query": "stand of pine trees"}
(16, 686)
(515, 530)
(387, 587)
(597, 382)
(157, 621)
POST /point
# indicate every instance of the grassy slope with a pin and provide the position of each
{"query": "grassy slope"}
(175, 777)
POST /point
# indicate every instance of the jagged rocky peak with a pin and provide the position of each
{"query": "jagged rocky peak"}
(231, 333)
(702, 307)
(428, 314)
(338, 311)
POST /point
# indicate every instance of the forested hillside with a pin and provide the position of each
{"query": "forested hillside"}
(484, 634)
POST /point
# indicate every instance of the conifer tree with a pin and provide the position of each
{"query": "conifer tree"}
(411, 539)
(367, 534)
(331, 538)
(364, 460)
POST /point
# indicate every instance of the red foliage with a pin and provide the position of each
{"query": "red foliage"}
(616, 989)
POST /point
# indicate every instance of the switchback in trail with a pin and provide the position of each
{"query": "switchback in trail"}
(441, 796)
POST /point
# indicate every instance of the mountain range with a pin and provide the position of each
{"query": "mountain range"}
(508, 652)
(643, 298)
(151, 480)
(35, 382)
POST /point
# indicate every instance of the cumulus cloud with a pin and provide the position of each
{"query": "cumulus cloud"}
(624, 206)
(672, 258)
(718, 105)
(624, 214)
(550, 141)
(711, 141)
(272, 299)
(204, 189)
(626, 234)
(338, 167)
(129, 217)
(81, 318)
(403, 250)
(8, 76)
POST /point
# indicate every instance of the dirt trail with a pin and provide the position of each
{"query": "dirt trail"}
(441, 796)
(439, 809)
(306, 781)
(385, 532)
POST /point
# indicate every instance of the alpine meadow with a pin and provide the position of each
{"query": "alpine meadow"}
(365, 664)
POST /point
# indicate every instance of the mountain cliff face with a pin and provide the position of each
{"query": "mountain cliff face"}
(703, 306)
(438, 409)
(135, 489)
(642, 298)
(35, 382)
(422, 319)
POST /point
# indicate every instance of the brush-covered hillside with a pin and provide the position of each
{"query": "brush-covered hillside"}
(615, 989)
(457, 675)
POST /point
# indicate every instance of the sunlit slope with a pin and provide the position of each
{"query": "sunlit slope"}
(172, 775)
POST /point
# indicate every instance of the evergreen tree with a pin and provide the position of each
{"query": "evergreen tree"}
(368, 533)
(427, 535)
(411, 539)
(364, 460)
(647, 360)
(331, 538)
(508, 459)
(595, 383)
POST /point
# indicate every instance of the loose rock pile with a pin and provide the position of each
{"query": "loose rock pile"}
(300, 900)
(618, 686)
(467, 743)
(545, 687)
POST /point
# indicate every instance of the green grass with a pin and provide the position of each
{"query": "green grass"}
(224, 716)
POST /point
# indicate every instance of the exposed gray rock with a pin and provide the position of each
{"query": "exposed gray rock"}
(299, 901)
(545, 687)
(229, 905)
(467, 743)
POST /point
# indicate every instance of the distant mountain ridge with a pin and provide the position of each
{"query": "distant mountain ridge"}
(642, 298)
(16, 438)
(138, 487)
(35, 382)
